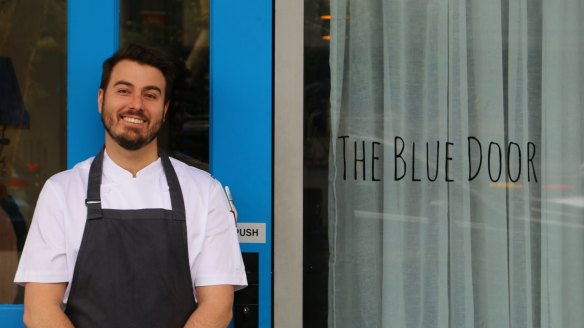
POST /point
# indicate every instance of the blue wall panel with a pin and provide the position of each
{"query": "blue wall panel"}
(11, 315)
(92, 37)
(241, 120)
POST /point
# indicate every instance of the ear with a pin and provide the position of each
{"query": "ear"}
(100, 94)
(166, 105)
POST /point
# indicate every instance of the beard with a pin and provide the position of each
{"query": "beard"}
(130, 141)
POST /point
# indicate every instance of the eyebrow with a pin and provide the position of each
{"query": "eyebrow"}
(122, 82)
(152, 87)
(147, 88)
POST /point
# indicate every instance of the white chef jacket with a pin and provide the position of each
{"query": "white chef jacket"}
(55, 234)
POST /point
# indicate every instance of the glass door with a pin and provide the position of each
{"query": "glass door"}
(33, 118)
(57, 48)
(181, 29)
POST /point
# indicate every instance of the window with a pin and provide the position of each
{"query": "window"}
(181, 29)
(33, 113)
(316, 155)
(443, 172)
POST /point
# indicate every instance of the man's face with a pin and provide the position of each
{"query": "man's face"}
(132, 107)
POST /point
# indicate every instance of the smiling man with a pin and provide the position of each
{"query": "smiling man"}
(132, 237)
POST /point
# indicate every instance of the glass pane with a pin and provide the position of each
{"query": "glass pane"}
(444, 182)
(316, 154)
(33, 113)
(181, 29)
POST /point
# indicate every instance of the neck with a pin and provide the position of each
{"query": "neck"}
(131, 160)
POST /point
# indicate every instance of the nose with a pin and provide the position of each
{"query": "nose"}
(136, 101)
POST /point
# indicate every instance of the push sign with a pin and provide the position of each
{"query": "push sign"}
(251, 232)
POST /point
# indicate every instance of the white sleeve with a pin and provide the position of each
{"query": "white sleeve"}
(220, 261)
(44, 258)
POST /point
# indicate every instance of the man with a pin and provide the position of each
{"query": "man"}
(113, 241)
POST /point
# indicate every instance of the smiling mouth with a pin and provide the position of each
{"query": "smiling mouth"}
(133, 120)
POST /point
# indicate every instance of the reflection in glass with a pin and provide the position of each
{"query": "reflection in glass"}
(32, 119)
(181, 29)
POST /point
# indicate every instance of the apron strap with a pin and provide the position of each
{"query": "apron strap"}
(93, 200)
(176, 196)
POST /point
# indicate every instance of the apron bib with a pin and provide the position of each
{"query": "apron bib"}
(132, 269)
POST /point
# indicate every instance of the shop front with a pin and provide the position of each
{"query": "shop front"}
(220, 120)
(419, 163)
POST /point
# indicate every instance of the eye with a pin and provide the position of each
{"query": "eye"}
(123, 91)
(151, 95)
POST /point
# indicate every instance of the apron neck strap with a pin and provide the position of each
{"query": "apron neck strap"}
(176, 196)
(93, 200)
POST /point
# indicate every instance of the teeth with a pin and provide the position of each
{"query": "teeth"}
(133, 120)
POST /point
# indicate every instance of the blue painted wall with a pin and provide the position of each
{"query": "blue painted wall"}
(11, 316)
(93, 30)
(241, 120)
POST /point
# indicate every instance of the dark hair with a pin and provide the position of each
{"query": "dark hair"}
(145, 56)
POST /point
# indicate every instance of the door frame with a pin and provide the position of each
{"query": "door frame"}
(288, 162)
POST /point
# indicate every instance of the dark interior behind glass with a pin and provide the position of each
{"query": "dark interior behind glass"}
(181, 29)
(316, 148)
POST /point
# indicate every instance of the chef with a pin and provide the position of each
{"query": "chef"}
(131, 237)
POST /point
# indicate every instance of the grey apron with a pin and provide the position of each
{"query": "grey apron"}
(132, 269)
